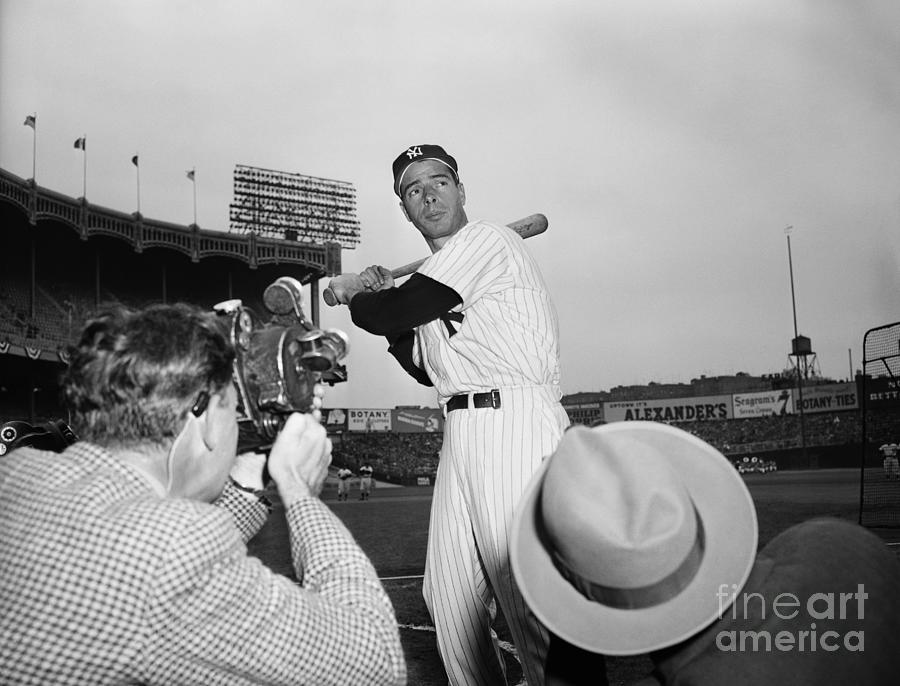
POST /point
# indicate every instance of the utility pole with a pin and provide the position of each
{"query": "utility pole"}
(795, 350)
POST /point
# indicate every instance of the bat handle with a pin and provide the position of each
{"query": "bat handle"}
(329, 297)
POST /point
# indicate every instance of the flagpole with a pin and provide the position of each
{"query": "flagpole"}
(84, 175)
(34, 150)
(194, 181)
(137, 166)
(31, 121)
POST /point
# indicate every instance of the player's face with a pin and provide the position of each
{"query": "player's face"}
(433, 201)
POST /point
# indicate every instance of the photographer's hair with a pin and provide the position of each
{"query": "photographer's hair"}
(134, 374)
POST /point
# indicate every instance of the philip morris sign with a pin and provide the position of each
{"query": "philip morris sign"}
(704, 408)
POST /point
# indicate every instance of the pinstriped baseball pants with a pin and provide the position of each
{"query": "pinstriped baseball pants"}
(487, 460)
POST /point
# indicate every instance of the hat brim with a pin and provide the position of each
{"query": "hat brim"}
(398, 181)
(731, 535)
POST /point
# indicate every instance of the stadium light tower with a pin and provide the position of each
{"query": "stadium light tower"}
(800, 347)
(294, 207)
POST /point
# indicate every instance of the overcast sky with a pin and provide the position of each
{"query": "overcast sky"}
(669, 144)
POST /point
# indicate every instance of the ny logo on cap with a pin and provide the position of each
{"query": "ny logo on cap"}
(414, 152)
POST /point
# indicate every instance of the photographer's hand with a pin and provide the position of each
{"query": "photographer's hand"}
(299, 459)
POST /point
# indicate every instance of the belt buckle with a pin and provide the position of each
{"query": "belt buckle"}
(495, 398)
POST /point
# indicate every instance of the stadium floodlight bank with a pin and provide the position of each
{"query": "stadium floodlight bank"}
(879, 496)
(307, 209)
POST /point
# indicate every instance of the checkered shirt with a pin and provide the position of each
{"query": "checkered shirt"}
(104, 582)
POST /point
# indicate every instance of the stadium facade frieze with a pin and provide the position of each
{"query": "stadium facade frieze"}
(142, 233)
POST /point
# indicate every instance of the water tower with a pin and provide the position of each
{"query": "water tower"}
(803, 358)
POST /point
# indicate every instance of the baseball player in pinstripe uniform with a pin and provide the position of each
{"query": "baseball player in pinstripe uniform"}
(477, 323)
(344, 475)
(124, 560)
(365, 481)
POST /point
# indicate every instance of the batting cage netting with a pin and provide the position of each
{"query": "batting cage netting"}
(879, 504)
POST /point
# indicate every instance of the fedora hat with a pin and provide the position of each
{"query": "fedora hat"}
(632, 536)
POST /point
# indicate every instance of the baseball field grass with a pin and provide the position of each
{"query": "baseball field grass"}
(392, 528)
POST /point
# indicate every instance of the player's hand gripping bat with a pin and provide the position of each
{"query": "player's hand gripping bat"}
(526, 227)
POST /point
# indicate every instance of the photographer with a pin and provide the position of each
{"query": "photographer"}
(124, 559)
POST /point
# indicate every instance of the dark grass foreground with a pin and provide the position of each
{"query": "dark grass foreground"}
(392, 528)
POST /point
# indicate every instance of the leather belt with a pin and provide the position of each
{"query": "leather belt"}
(461, 402)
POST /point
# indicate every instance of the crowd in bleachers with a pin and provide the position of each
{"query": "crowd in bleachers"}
(58, 314)
(401, 458)
(778, 432)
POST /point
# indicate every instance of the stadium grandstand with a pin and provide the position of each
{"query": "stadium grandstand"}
(63, 256)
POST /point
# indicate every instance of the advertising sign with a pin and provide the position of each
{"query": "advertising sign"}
(369, 420)
(417, 420)
(762, 404)
(882, 392)
(334, 419)
(828, 398)
(705, 408)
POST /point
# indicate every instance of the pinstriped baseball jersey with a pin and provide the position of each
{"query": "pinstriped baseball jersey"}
(509, 332)
(504, 335)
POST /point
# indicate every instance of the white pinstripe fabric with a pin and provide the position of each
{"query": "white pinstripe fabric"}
(104, 582)
(510, 333)
(508, 339)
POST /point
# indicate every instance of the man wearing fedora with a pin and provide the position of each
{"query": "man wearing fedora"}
(639, 538)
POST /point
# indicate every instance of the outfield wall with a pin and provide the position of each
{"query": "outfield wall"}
(816, 399)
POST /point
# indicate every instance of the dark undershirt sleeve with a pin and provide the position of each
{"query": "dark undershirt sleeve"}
(394, 313)
(421, 299)
(401, 347)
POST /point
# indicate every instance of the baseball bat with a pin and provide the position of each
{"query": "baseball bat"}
(526, 227)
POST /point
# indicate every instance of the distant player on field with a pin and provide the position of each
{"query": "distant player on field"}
(889, 462)
(365, 481)
(477, 323)
(344, 476)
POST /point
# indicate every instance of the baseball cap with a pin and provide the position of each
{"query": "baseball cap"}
(417, 153)
(628, 534)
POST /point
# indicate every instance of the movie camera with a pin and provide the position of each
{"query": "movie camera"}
(279, 362)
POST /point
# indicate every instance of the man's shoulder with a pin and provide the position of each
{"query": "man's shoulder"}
(179, 534)
(831, 546)
(480, 235)
(486, 227)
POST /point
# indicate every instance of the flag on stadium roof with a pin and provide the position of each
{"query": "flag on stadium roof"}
(134, 160)
(81, 143)
(190, 174)
(31, 120)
